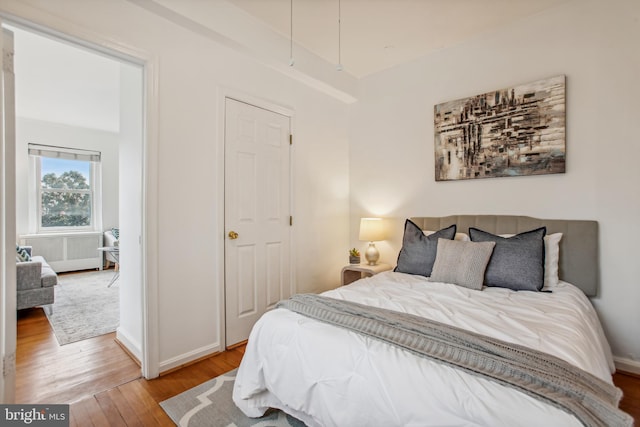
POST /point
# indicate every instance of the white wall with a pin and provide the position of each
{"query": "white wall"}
(595, 44)
(192, 69)
(87, 99)
(48, 133)
(131, 177)
(189, 147)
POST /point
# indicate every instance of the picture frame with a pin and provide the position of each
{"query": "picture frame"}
(515, 131)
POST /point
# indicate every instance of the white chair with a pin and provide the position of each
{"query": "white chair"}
(110, 240)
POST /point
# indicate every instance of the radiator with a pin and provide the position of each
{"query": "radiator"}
(67, 251)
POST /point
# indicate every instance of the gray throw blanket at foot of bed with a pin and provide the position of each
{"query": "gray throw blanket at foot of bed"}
(593, 401)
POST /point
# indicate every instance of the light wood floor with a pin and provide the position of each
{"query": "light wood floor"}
(50, 373)
(104, 386)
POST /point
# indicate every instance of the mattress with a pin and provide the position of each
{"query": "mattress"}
(328, 376)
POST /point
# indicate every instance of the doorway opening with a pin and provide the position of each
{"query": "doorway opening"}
(72, 100)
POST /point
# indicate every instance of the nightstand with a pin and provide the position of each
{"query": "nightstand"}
(353, 272)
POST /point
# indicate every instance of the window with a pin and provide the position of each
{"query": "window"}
(67, 196)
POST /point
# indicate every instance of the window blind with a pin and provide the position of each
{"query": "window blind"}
(64, 153)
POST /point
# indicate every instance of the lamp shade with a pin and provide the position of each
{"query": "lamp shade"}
(372, 229)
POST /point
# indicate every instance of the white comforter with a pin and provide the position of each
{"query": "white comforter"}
(328, 376)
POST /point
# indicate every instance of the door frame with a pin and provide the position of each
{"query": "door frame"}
(240, 96)
(8, 297)
(50, 25)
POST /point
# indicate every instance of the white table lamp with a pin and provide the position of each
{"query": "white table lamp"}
(372, 230)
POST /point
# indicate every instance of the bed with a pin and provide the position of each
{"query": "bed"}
(329, 375)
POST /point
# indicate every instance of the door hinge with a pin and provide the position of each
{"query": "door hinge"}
(290, 220)
(290, 139)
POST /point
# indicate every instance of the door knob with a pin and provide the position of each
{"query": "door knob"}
(233, 235)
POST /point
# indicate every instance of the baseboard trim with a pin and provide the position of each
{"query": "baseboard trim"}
(240, 344)
(129, 345)
(627, 365)
(129, 353)
(189, 358)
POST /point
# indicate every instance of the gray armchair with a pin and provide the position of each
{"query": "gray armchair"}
(35, 281)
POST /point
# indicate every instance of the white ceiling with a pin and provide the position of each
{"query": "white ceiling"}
(379, 34)
(61, 83)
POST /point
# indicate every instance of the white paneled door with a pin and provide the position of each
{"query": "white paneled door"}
(257, 214)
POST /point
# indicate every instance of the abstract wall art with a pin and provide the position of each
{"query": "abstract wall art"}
(516, 131)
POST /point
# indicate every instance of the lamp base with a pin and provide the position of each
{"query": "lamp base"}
(371, 254)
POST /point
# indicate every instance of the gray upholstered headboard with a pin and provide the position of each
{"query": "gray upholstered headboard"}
(579, 263)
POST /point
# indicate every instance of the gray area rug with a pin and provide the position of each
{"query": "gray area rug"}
(210, 405)
(84, 307)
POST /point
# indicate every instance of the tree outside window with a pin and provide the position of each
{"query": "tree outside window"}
(66, 193)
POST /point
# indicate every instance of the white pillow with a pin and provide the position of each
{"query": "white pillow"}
(551, 258)
(462, 237)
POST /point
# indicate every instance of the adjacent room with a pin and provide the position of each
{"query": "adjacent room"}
(462, 169)
(69, 136)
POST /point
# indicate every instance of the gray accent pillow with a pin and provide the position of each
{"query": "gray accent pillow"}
(22, 255)
(517, 262)
(418, 251)
(462, 263)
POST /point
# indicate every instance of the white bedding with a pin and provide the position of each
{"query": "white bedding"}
(328, 376)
